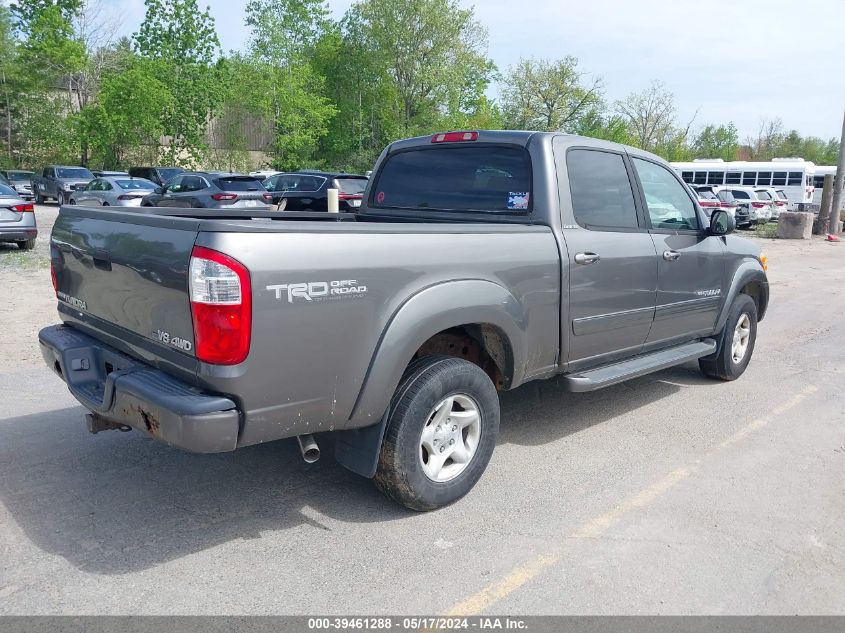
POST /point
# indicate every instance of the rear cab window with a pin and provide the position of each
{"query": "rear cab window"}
(477, 178)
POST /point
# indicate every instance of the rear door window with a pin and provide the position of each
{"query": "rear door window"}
(602, 197)
(466, 178)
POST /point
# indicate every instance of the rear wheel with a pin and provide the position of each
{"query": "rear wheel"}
(26, 245)
(735, 342)
(39, 199)
(441, 433)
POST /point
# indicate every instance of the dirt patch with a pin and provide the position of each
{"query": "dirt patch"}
(28, 305)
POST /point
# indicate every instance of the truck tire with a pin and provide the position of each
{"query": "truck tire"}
(38, 198)
(444, 419)
(735, 342)
(26, 245)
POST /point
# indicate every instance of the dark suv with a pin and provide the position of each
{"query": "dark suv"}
(210, 190)
(307, 190)
(159, 175)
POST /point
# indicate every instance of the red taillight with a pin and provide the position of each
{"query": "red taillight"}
(126, 196)
(757, 205)
(225, 196)
(24, 208)
(708, 203)
(268, 197)
(726, 205)
(780, 203)
(53, 277)
(454, 137)
(349, 196)
(221, 306)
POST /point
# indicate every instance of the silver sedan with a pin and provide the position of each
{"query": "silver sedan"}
(17, 219)
(113, 191)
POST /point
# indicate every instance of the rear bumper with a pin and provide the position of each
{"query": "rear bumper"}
(18, 233)
(122, 390)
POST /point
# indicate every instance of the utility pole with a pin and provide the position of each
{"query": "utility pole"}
(837, 184)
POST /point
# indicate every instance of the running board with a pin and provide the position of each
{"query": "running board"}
(618, 372)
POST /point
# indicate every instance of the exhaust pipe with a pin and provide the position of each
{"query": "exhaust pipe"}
(308, 447)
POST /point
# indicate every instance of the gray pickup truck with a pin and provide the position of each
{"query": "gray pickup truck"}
(478, 261)
(59, 181)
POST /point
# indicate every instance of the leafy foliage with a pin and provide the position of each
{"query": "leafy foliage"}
(307, 91)
(548, 95)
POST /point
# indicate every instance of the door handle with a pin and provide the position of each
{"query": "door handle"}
(586, 258)
(671, 256)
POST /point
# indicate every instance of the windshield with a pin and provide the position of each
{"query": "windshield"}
(135, 183)
(464, 178)
(781, 194)
(19, 176)
(351, 186)
(74, 172)
(763, 195)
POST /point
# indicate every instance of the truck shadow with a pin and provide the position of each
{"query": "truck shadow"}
(114, 503)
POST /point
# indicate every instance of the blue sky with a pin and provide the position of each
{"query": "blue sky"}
(730, 60)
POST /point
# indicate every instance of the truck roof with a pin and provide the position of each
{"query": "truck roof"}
(519, 137)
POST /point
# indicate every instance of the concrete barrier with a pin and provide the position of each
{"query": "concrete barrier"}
(795, 225)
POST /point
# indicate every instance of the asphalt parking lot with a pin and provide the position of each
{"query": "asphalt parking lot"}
(670, 494)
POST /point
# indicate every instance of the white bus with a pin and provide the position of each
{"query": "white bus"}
(818, 180)
(793, 175)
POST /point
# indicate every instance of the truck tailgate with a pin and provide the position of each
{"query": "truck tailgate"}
(126, 273)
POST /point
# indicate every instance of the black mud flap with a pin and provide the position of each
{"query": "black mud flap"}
(358, 449)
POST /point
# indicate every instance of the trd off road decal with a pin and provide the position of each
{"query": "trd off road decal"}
(319, 290)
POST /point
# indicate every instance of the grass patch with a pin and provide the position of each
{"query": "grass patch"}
(15, 258)
(768, 230)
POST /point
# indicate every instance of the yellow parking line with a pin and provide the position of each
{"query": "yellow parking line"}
(594, 528)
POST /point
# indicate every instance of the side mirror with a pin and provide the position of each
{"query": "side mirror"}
(159, 190)
(721, 223)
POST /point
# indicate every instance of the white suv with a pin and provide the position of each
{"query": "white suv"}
(778, 198)
(759, 205)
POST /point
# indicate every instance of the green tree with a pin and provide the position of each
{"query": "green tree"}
(128, 114)
(283, 85)
(714, 141)
(550, 95)
(650, 116)
(597, 124)
(433, 52)
(182, 43)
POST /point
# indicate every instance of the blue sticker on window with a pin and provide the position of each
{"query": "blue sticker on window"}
(518, 200)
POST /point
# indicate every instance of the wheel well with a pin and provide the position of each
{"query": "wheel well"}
(480, 343)
(754, 290)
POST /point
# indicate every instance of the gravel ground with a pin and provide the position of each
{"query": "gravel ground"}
(669, 494)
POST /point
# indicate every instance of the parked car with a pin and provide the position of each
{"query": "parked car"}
(777, 197)
(105, 174)
(59, 181)
(17, 219)
(307, 190)
(210, 190)
(394, 328)
(706, 199)
(759, 207)
(20, 181)
(114, 192)
(158, 175)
